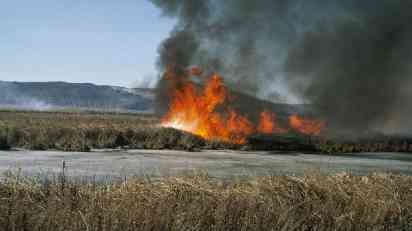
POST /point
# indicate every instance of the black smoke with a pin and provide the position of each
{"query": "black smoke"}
(351, 60)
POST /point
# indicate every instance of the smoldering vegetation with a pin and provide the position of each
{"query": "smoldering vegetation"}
(348, 60)
(197, 202)
(307, 144)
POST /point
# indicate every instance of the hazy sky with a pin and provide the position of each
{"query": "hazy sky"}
(98, 41)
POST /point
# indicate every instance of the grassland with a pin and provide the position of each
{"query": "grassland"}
(83, 131)
(310, 202)
(196, 202)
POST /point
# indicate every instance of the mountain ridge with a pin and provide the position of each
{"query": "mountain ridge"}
(89, 96)
(60, 94)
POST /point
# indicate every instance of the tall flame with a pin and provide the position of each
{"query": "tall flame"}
(197, 112)
(204, 111)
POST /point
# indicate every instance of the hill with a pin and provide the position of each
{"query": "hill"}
(64, 95)
(60, 95)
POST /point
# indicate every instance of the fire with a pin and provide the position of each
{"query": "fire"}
(197, 111)
(268, 124)
(306, 126)
(240, 127)
(204, 111)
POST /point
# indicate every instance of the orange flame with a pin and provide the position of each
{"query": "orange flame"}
(197, 112)
(239, 127)
(268, 124)
(306, 126)
(204, 111)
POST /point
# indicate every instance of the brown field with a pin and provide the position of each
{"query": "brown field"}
(83, 131)
(310, 202)
(194, 202)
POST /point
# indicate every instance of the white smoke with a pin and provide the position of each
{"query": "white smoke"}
(30, 104)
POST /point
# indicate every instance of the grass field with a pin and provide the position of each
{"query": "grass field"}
(194, 202)
(310, 202)
(83, 131)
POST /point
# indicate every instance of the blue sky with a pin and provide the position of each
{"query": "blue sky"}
(97, 41)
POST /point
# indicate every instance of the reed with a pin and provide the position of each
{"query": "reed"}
(309, 202)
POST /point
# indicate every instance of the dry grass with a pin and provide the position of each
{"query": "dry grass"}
(81, 120)
(310, 202)
(82, 131)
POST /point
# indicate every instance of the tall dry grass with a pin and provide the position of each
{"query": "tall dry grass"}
(310, 202)
(83, 131)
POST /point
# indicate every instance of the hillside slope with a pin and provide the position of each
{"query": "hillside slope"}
(50, 95)
(63, 95)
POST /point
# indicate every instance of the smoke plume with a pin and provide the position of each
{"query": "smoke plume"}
(350, 60)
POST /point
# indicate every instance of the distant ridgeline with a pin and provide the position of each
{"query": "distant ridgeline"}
(62, 95)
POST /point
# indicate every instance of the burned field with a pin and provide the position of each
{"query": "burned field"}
(83, 131)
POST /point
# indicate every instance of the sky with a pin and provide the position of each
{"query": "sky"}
(104, 42)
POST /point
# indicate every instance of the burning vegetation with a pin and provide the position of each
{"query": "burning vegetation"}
(269, 125)
(73, 131)
(348, 61)
(306, 126)
(206, 111)
(197, 111)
